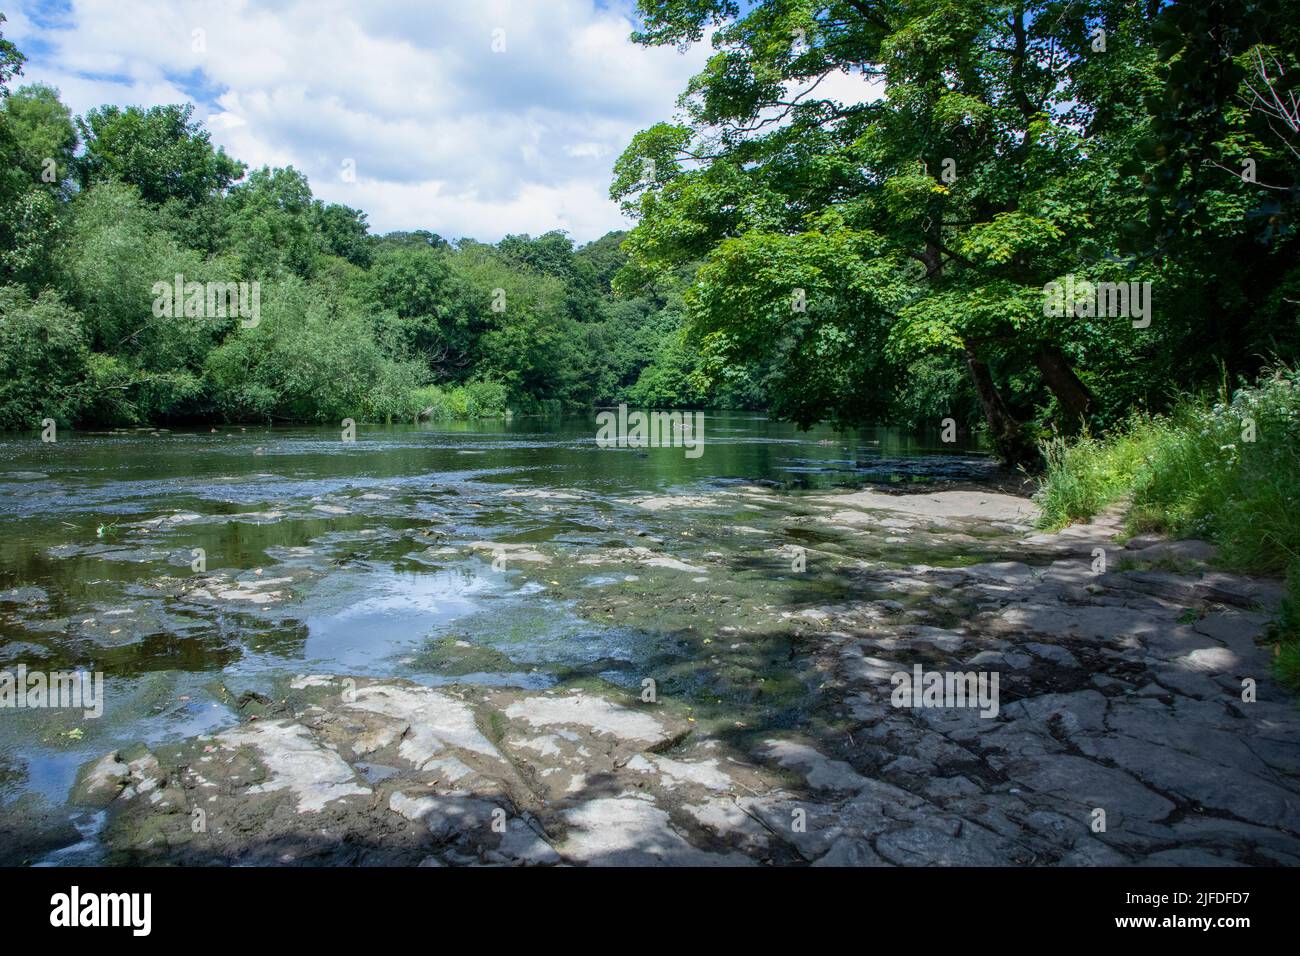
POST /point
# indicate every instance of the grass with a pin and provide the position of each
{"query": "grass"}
(1225, 468)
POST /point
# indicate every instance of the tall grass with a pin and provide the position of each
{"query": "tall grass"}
(1226, 469)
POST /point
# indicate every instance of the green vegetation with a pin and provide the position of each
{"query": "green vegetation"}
(96, 211)
(879, 256)
(1227, 470)
(885, 257)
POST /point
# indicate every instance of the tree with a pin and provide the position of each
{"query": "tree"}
(43, 131)
(11, 61)
(43, 356)
(160, 151)
(1221, 166)
(343, 232)
(429, 311)
(37, 143)
(967, 171)
(270, 222)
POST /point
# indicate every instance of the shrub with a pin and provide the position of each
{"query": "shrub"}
(43, 359)
(462, 402)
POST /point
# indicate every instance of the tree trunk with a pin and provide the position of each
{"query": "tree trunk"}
(1072, 395)
(1010, 442)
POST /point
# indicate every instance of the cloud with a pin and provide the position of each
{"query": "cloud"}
(469, 119)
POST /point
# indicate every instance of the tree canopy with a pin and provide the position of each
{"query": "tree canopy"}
(870, 185)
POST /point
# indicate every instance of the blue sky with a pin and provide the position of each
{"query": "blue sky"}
(443, 131)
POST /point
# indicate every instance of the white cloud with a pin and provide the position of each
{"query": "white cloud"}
(445, 134)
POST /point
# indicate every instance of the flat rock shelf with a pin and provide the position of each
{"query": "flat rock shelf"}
(1136, 723)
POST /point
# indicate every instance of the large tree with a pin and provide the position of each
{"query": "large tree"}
(161, 151)
(872, 181)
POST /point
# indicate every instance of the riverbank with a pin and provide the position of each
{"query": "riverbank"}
(1227, 470)
(771, 628)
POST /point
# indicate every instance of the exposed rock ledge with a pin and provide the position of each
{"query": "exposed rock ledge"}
(1121, 691)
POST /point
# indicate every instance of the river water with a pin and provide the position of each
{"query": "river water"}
(192, 567)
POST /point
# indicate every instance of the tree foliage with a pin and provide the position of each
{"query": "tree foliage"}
(983, 151)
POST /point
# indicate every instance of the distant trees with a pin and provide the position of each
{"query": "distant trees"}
(96, 211)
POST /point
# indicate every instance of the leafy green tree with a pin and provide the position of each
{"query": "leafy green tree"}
(1221, 165)
(312, 357)
(11, 61)
(529, 342)
(43, 359)
(161, 151)
(44, 131)
(966, 174)
(343, 232)
(269, 219)
(116, 252)
(417, 237)
(37, 142)
(429, 311)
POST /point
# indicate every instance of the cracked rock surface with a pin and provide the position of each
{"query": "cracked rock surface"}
(1136, 723)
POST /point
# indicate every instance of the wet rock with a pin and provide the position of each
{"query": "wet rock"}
(508, 552)
(812, 827)
(1068, 714)
(850, 852)
(728, 823)
(426, 721)
(447, 814)
(1190, 551)
(523, 844)
(1200, 782)
(631, 831)
(1054, 653)
(987, 506)
(296, 763)
(704, 773)
(820, 772)
(31, 829)
(1119, 691)
(1090, 785)
(100, 783)
(1247, 593)
(596, 715)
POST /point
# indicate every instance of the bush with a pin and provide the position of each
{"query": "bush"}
(118, 393)
(43, 358)
(311, 358)
(462, 402)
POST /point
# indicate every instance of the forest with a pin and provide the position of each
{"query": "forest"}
(96, 210)
(883, 261)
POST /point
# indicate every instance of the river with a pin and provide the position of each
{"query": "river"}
(503, 643)
(392, 555)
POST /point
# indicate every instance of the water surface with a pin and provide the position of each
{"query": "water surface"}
(377, 557)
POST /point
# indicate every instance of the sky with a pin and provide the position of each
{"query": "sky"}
(470, 118)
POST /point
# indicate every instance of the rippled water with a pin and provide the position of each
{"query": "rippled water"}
(373, 557)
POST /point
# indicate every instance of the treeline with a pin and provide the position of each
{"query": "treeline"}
(896, 250)
(97, 210)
